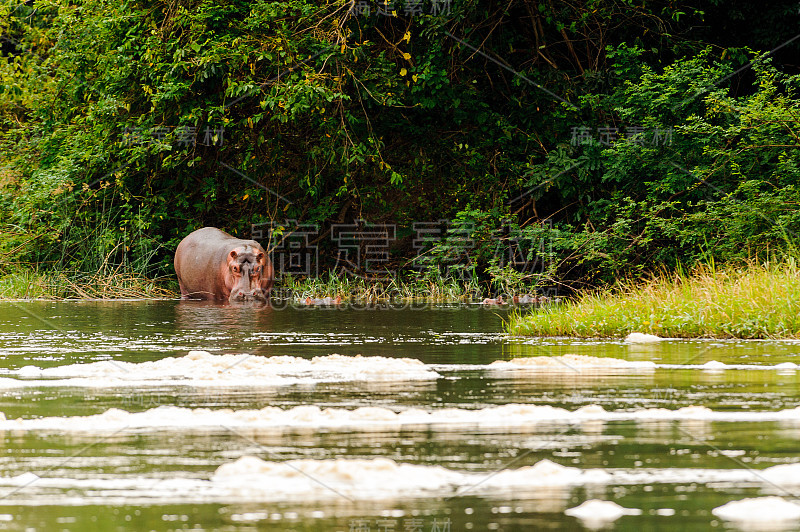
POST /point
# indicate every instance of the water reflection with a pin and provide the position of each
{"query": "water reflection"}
(210, 315)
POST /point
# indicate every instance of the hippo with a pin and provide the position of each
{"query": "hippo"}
(211, 264)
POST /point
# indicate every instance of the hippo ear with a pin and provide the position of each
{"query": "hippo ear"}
(259, 256)
(234, 254)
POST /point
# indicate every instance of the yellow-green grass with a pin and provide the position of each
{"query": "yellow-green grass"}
(32, 284)
(757, 300)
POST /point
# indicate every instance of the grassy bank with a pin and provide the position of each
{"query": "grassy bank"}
(32, 284)
(439, 289)
(753, 301)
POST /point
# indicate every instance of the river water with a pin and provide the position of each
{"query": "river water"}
(166, 415)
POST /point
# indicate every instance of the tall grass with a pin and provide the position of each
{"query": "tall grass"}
(122, 283)
(32, 284)
(756, 300)
(439, 289)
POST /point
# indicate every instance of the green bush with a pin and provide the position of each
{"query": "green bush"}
(125, 126)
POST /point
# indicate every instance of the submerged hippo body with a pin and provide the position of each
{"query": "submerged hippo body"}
(211, 264)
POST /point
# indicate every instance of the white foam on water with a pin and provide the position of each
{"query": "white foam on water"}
(587, 363)
(570, 362)
(761, 513)
(510, 416)
(642, 338)
(715, 365)
(595, 513)
(544, 474)
(24, 479)
(353, 478)
(201, 368)
(377, 478)
(28, 489)
(250, 478)
(783, 474)
(674, 475)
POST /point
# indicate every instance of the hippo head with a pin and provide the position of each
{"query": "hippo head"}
(249, 274)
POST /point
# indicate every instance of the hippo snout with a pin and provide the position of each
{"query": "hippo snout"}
(248, 295)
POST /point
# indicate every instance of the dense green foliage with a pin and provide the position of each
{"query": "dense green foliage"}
(603, 137)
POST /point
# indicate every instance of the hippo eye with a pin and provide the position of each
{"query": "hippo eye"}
(235, 269)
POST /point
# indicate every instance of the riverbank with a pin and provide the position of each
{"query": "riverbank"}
(758, 300)
(438, 290)
(32, 284)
